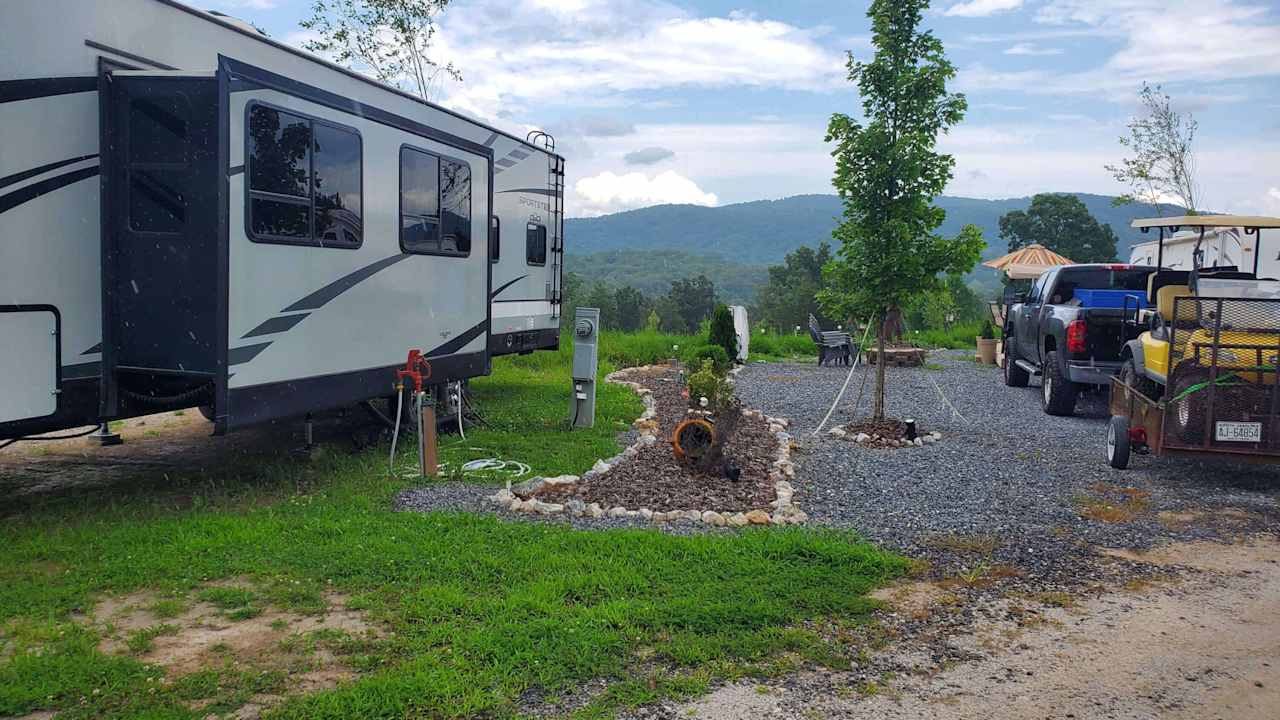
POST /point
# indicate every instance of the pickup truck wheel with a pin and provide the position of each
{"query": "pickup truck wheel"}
(1118, 442)
(1014, 376)
(1058, 396)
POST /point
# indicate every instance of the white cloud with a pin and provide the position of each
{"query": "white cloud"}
(981, 8)
(1175, 40)
(1271, 201)
(609, 192)
(1031, 49)
(519, 55)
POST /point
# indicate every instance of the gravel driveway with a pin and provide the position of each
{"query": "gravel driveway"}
(1003, 468)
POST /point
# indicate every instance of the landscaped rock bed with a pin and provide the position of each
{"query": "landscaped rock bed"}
(884, 434)
(646, 481)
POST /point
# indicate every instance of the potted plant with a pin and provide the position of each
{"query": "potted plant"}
(987, 344)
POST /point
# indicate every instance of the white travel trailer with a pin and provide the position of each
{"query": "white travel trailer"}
(1221, 247)
(195, 215)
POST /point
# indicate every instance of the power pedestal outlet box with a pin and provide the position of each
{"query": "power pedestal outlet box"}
(586, 340)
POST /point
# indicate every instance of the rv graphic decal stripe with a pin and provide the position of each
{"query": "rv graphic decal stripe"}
(124, 54)
(460, 341)
(504, 286)
(95, 349)
(236, 170)
(518, 154)
(318, 298)
(19, 177)
(81, 370)
(531, 191)
(277, 324)
(15, 90)
(492, 139)
(44, 187)
(506, 163)
(245, 353)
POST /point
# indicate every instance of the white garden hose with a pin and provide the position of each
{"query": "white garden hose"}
(852, 367)
(395, 434)
(458, 404)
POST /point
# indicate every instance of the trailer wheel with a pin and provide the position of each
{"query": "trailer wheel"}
(207, 412)
(1118, 442)
(1014, 376)
(1058, 394)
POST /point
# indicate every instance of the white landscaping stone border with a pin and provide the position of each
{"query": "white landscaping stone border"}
(782, 471)
(920, 441)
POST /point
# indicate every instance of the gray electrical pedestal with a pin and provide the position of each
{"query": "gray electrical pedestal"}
(586, 337)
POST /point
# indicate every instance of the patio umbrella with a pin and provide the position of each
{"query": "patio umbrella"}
(1028, 262)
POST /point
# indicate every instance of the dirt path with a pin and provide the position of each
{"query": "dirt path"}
(160, 453)
(1204, 646)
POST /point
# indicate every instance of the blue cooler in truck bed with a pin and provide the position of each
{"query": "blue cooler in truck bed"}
(1110, 298)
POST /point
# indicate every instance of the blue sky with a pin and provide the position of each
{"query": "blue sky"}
(721, 101)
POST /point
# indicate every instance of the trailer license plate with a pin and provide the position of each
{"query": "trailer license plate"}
(1239, 432)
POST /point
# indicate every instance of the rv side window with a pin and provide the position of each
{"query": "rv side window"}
(304, 180)
(336, 173)
(435, 204)
(495, 238)
(535, 244)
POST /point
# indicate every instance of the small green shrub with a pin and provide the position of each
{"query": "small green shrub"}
(988, 331)
(722, 333)
(719, 359)
(707, 383)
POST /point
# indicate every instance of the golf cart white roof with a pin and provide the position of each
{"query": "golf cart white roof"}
(1208, 221)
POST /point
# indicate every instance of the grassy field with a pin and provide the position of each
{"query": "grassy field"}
(473, 616)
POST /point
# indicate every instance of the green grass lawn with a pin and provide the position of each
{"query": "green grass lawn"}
(473, 613)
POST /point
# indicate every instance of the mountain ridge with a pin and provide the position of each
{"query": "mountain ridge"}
(762, 232)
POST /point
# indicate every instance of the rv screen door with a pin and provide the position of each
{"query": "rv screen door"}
(160, 228)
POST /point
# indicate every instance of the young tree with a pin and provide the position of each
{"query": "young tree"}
(1162, 164)
(722, 331)
(1063, 224)
(390, 39)
(888, 172)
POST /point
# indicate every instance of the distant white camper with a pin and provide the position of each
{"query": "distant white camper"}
(195, 215)
(1220, 247)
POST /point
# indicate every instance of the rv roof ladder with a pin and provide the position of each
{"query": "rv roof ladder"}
(555, 183)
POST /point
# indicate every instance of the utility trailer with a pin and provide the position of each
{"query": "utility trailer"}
(1201, 378)
(194, 215)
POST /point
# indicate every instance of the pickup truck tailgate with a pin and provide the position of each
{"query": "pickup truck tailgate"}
(1106, 333)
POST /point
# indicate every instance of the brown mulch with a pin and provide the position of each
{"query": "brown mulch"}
(654, 479)
(888, 430)
(888, 427)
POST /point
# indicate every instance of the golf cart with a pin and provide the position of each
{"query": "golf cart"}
(1201, 378)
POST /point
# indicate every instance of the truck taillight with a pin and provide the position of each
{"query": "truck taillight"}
(1076, 333)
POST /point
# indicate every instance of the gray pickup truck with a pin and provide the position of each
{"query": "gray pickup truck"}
(1070, 329)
